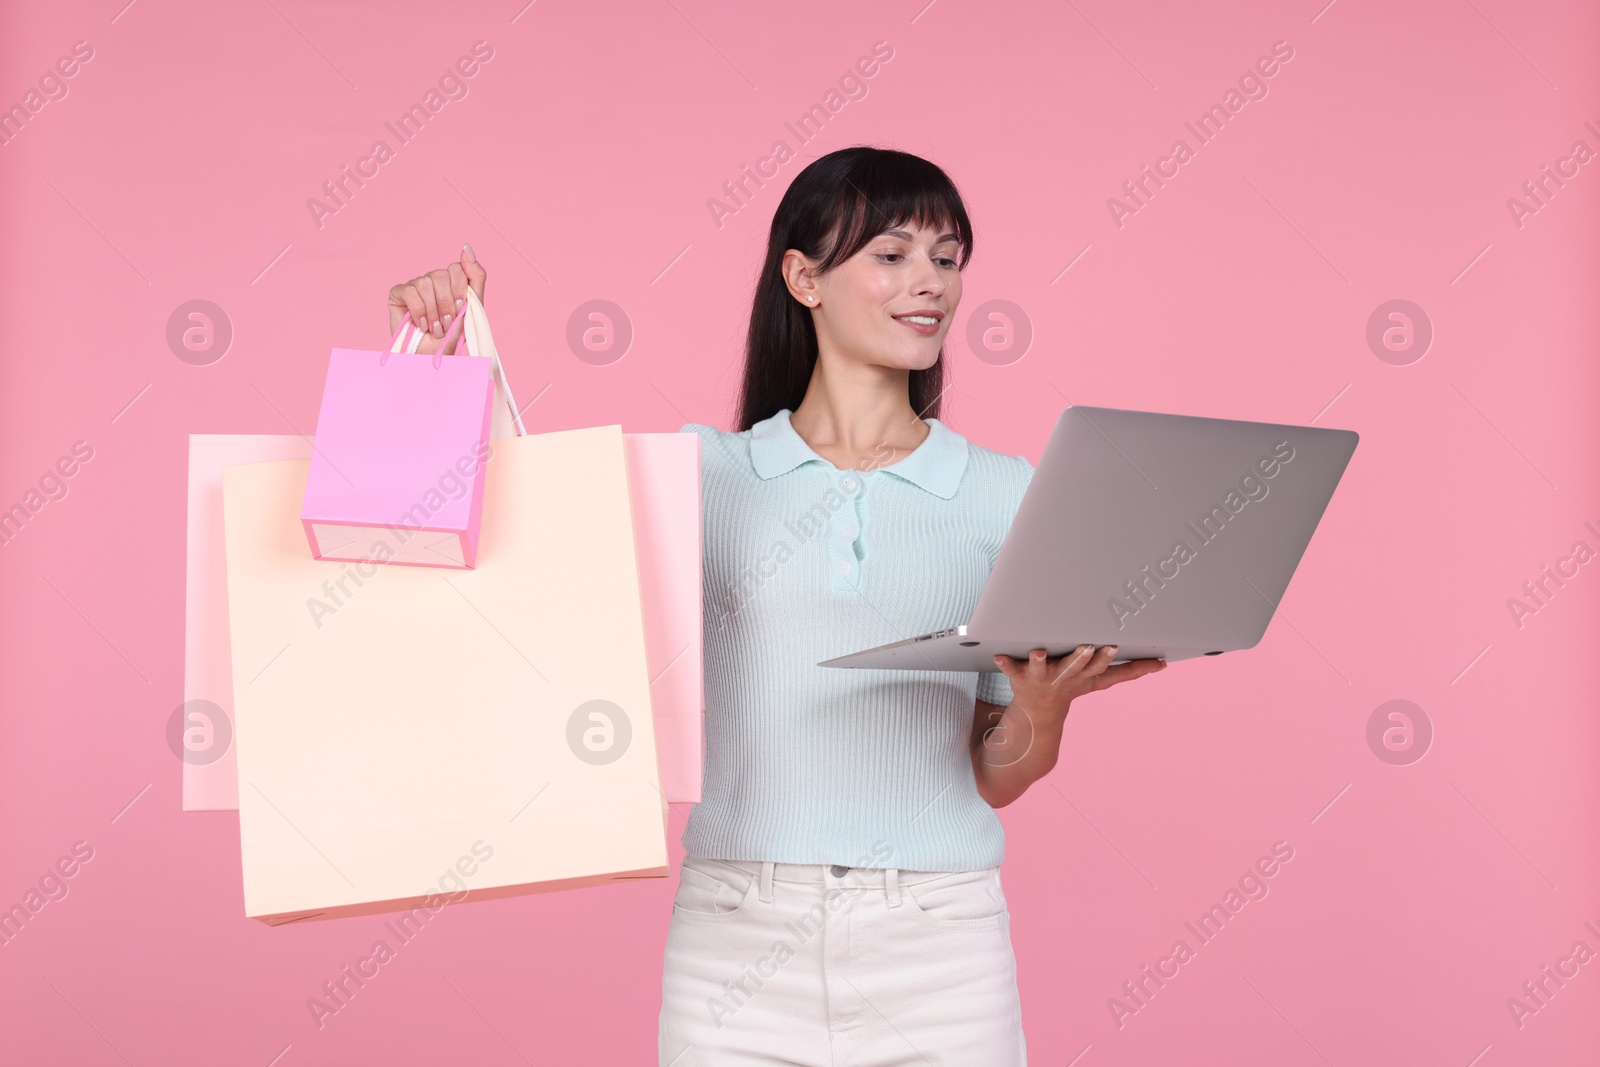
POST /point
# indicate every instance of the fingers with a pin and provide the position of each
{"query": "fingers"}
(430, 307)
(458, 285)
(1077, 662)
(405, 302)
(1126, 672)
(433, 300)
(458, 303)
(443, 299)
(477, 276)
(1035, 667)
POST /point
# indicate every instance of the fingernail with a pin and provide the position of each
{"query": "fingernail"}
(437, 329)
(471, 255)
(459, 302)
(447, 319)
(1111, 649)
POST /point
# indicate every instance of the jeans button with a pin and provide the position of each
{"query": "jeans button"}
(838, 871)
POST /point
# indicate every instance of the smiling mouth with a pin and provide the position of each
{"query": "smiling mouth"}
(924, 325)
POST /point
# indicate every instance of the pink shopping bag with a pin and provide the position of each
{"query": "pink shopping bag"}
(397, 465)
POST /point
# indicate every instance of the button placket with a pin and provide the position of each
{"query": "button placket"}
(840, 557)
(846, 529)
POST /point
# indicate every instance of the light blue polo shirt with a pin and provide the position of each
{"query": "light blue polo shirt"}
(803, 562)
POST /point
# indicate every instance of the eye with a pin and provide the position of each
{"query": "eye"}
(889, 255)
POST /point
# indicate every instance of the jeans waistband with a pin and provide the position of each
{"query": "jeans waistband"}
(826, 873)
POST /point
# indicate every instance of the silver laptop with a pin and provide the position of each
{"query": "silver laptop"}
(1169, 536)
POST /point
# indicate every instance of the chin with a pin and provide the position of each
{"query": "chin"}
(895, 354)
(918, 361)
(924, 360)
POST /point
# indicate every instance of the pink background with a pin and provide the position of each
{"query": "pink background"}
(1420, 896)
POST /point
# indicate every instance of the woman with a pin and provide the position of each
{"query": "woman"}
(840, 900)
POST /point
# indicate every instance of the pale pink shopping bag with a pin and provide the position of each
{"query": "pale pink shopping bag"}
(202, 736)
(486, 729)
(664, 488)
(397, 467)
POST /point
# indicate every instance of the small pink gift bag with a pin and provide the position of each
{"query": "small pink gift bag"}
(397, 463)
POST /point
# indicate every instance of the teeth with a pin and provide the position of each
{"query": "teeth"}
(925, 320)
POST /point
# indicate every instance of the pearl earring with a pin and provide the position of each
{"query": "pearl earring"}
(810, 299)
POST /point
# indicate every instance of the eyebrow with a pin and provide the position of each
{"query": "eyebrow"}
(904, 236)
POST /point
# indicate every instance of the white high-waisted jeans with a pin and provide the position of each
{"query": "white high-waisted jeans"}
(827, 966)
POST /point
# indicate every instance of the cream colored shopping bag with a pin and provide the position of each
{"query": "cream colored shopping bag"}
(399, 727)
(664, 489)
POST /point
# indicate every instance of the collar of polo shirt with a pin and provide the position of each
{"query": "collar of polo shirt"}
(936, 465)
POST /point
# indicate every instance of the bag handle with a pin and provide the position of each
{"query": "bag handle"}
(413, 338)
(482, 339)
(475, 339)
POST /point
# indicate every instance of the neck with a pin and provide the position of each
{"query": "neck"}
(852, 410)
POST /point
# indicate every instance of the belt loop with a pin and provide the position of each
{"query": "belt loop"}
(767, 867)
(891, 886)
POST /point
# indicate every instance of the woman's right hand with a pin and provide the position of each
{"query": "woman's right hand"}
(433, 300)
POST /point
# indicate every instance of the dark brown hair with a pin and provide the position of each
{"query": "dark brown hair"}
(829, 213)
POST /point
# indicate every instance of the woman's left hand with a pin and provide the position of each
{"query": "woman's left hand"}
(1015, 746)
(1046, 688)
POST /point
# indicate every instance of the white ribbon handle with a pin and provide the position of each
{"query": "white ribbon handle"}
(507, 419)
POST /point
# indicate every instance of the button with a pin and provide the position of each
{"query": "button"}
(849, 483)
(850, 531)
(838, 871)
(844, 568)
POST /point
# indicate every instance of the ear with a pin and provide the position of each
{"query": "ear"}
(798, 277)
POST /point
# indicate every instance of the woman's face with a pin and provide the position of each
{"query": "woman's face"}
(867, 308)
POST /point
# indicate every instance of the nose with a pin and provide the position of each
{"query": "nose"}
(928, 279)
